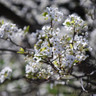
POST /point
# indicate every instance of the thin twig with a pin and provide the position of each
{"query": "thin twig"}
(10, 50)
(16, 44)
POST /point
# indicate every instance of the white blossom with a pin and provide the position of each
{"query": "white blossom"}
(5, 73)
(37, 69)
(53, 14)
(75, 23)
(52, 53)
(10, 30)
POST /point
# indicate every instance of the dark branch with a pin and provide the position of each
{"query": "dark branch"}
(10, 50)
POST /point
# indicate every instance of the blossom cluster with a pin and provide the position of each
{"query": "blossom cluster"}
(11, 31)
(74, 22)
(37, 69)
(5, 74)
(53, 14)
(58, 54)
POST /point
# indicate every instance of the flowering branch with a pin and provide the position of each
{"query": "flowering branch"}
(53, 56)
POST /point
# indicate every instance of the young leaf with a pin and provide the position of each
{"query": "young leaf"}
(2, 21)
(69, 38)
(44, 14)
(42, 49)
(68, 23)
(46, 18)
(71, 46)
(21, 51)
(26, 30)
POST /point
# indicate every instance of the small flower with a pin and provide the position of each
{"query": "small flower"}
(5, 74)
(53, 14)
(75, 23)
(10, 30)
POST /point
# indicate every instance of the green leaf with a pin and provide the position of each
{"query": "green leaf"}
(72, 22)
(21, 51)
(68, 23)
(55, 62)
(42, 49)
(86, 49)
(44, 14)
(72, 18)
(27, 29)
(46, 36)
(71, 46)
(76, 61)
(37, 47)
(2, 21)
(69, 38)
(46, 18)
(5, 75)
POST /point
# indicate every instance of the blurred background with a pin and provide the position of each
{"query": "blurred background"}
(29, 12)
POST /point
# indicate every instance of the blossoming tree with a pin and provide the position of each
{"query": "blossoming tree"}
(55, 54)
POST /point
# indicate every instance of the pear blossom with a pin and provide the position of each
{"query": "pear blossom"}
(75, 23)
(5, 74)
(37, 70)
(56, 52)
(53, 14)
(10, 30)
(52, 54)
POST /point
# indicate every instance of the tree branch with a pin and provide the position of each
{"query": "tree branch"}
(10, 50)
